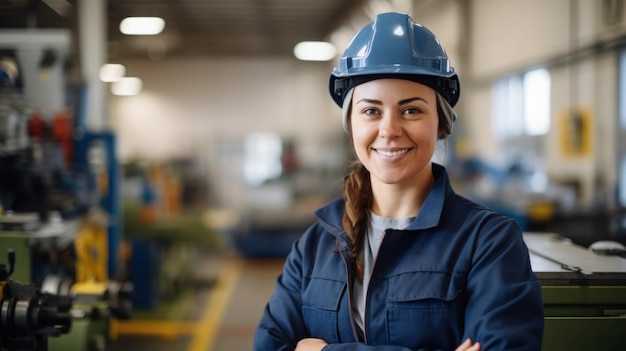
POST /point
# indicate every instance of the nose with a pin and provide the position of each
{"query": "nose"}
(390, 126)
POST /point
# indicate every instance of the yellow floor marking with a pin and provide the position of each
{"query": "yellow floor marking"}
(165, 329)
(219, 297)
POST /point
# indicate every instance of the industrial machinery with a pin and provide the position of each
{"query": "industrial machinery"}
(82, 276)
(58, 210)
(95, 298)
(67, 259)
(584, 294)
(27, 316)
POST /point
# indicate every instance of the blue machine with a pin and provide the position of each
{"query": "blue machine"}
(102, 147)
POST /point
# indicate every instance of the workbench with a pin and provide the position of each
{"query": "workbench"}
(584, 294)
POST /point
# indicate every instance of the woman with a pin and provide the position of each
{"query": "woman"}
(401, 262)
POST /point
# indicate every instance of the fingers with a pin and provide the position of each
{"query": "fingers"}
(310, 344)
(469, 345)
(465, 345)
(475, 347)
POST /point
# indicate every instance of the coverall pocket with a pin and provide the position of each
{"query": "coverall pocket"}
(425, 309)
(320, 302)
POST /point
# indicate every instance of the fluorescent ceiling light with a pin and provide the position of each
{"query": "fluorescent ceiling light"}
(111, 72)
(314, 51)
(142, 25)
(126, 86)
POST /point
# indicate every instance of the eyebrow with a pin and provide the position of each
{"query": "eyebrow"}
(401, 102)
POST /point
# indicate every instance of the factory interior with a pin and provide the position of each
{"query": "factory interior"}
(152, 183)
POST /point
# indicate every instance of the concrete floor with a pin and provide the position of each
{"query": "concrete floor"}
(223, 318)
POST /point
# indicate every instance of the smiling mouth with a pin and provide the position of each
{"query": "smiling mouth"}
(392, 153)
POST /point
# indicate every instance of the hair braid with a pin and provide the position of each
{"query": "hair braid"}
(358, 196)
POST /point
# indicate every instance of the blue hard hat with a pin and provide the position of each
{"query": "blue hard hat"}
(394, 46)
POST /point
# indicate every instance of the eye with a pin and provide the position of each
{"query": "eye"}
(412, 111)
(370, 111)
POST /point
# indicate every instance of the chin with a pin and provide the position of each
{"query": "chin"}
(388, 179)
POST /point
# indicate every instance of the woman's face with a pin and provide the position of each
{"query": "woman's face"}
(394, 128)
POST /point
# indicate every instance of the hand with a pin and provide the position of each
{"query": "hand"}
(469, 345)
(313, 344)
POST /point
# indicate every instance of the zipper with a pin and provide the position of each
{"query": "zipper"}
(349, 282)
(367, 299)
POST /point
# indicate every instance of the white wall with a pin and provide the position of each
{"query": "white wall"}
(210, 98)
(203, 108)
(513, 34)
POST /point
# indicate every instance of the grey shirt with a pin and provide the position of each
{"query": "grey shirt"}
(371, 244)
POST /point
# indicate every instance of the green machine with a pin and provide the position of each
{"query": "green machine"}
(90, 317)
(14, 229)
(584, 294)
(45, 255)
(28, 317)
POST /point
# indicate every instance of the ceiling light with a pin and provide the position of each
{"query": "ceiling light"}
(111, 72)
(314, 51)
(126, 86)
(142, 25)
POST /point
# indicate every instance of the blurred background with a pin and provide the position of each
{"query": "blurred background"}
(157, 179)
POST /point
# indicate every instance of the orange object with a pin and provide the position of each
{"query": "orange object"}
(62, 132)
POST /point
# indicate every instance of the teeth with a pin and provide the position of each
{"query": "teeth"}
(393, 153)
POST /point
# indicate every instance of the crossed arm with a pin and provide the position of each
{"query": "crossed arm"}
(313, 344)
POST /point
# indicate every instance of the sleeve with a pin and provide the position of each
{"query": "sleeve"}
(504, 307)
(281, 325)
(363, 347)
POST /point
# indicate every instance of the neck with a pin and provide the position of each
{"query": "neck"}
(402, 200)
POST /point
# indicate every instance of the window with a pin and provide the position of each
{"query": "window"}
(521, 105)
(262, 151)
(622, 131)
